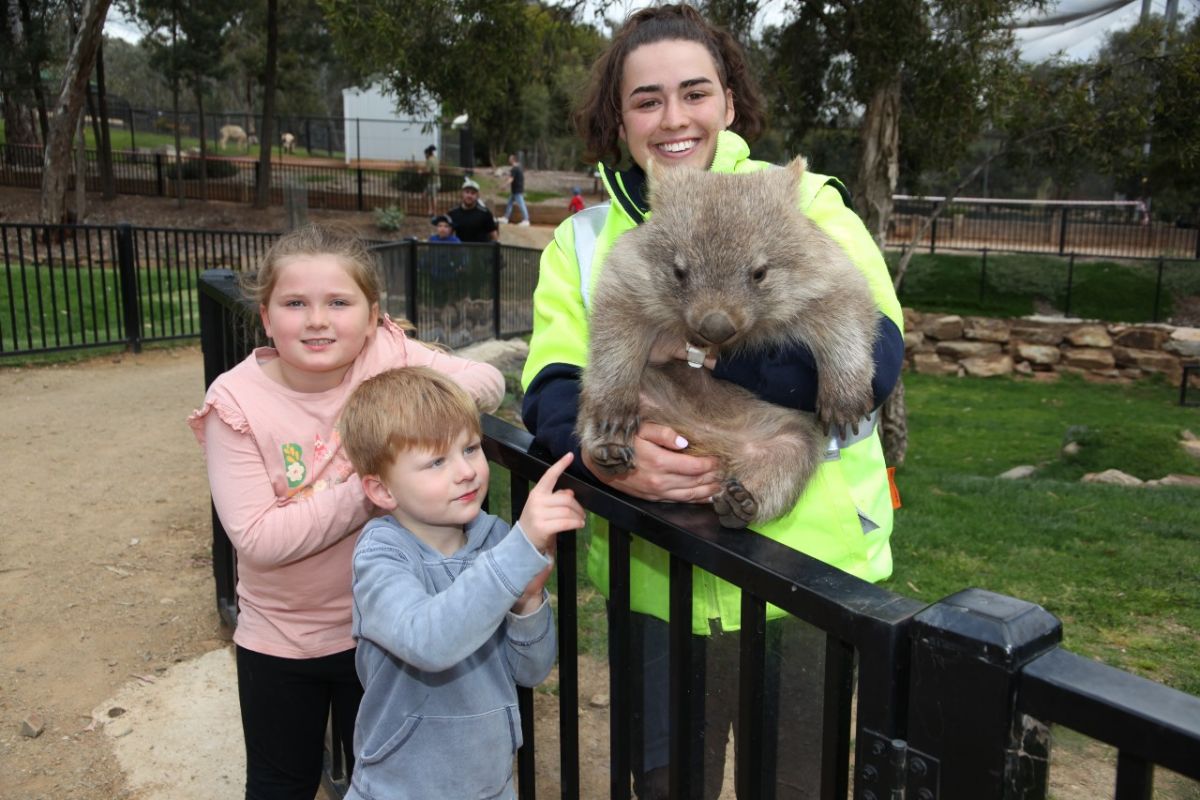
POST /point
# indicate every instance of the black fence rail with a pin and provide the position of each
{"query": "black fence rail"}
(76, 287)
(954, 699)
(1062, 228)
(235, 178)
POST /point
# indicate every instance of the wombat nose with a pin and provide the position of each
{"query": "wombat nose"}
(716, 327)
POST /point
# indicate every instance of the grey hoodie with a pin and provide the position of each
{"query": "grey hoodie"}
(440, 656)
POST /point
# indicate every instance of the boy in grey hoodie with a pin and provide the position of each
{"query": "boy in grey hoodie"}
(450, 613)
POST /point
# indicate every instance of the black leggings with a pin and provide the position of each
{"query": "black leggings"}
(285, 706)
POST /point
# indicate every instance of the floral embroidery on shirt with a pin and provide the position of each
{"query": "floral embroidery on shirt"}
(321, 450)
(293, 465)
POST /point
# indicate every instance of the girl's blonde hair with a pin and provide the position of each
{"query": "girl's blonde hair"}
(340, 241)
(409, 408)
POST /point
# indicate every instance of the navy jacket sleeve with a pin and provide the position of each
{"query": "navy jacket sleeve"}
(787, 375)
(550, 409)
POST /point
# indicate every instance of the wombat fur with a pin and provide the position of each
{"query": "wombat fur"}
(729, 264)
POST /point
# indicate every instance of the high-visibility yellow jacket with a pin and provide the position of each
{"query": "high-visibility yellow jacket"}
(844, 517)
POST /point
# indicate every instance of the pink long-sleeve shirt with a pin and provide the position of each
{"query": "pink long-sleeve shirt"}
(287, 496)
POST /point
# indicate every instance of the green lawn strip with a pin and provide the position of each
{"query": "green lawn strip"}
(1099, 289)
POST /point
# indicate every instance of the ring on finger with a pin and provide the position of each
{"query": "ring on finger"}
(695, 356)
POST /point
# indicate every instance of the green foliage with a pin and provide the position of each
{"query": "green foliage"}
(390, 218)
(408, 181)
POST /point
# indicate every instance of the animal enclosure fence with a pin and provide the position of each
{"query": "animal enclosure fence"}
(954, 699)
(78, 287)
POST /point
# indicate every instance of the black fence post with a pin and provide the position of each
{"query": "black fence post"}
(159, 184)
(965, 737)
(216, 347)
(1062, 230)
(1158, 289)
(933, 236)
(127, 269)
(410, 285)
(982, 277)
(358, 171)
(1070, 283)
(497, 265)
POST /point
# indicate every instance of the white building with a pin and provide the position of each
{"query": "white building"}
(374, 127)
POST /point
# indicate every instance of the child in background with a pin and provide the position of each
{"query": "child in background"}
(450, 613)
(288, 498)
(444, 231)
(576, 203)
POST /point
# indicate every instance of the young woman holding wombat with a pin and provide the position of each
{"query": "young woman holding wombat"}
(676, 91)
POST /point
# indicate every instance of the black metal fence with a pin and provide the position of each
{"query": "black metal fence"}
(1060, 228)
(954, 700)
(77, 287)
(233, 179)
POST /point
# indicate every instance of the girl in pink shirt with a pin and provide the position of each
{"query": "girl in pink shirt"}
(287, 496)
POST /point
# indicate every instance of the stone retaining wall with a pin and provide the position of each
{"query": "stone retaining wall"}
(1043, 347)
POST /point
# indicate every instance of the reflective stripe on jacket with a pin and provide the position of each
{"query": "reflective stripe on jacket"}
(844, 517)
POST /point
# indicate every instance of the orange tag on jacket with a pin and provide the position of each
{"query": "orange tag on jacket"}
(892, 485)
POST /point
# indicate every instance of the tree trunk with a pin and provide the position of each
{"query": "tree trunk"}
(262, 196)
(879, 165)
(35, 72)
(18, 129)
(878, 169)
(56, 163)
(108, 184)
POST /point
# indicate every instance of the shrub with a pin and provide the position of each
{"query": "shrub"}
(390, 218)
(409, 181)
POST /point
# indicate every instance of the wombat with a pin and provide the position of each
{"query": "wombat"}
(728, 264)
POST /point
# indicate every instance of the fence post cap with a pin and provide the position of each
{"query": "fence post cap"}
(1000, 628)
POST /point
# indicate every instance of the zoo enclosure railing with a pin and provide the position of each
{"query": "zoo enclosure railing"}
(78, 287)
(233, 178)
(954, 699)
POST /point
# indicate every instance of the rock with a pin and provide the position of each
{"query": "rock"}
(1149, 361)
(1089, 336)
(1187, 435)
(1141, 338)
(1071, 449)
(988, 366)
(914, 341)
(930, 364)
(1088, 358)
(1023, 368)
(33, 725)
(1184, 342)
(500, 353)
(1035, 332)
(960, 348)
(1192, 448)
(912, 318)
(986, 329)
(1111, 476)
(943, 327)
(598, 701)
(1038, 353)
(1190, 481)
(1017, 473)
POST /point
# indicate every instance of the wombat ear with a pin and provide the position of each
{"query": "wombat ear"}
(796, 169)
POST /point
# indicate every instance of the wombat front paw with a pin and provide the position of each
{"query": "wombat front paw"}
(734, 505)
(612, 449)
(842, 413)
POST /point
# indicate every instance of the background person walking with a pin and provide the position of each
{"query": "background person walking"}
(516, 182)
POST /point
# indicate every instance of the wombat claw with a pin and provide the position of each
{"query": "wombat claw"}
(613, 458)
(734, 505)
